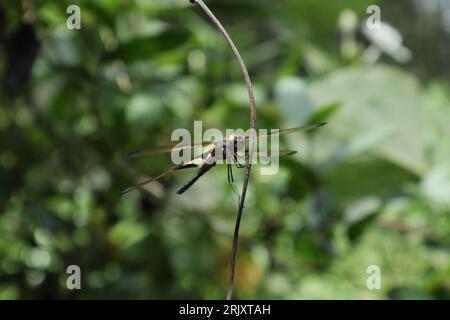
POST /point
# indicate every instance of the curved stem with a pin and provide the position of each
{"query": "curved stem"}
(251, 99)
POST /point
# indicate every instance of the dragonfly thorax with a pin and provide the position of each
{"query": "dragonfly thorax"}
(236, 142)
(230, 147)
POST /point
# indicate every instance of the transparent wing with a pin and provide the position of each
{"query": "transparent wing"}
(168, 148)
(290, 130)
(272, 154)
(147, 181)
(176, 147)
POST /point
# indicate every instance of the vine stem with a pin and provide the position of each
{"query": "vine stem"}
(251, 99)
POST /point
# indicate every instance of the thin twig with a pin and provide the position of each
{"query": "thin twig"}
(251, 99)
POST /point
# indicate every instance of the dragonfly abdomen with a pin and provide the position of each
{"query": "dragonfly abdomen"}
(205, 168)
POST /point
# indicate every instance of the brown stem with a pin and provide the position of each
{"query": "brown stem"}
(251, 99)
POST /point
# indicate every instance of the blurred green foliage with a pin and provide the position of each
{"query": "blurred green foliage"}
(370, 188)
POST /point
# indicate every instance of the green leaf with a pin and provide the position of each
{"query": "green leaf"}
(324, 112)
(292, 95)
(381, 99)
(436, 185)
(146, 48)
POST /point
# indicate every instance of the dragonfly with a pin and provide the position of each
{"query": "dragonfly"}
(229, 149)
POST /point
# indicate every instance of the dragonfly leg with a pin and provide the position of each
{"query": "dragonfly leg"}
(237, 163)
(231, 181)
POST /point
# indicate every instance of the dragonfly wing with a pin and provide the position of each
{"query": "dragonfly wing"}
(191, 164)
(280, 153)
(290, 130)
(169, 148)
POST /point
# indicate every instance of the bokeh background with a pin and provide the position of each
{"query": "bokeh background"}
(370, 188)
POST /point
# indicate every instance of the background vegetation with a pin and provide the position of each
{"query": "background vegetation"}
(370, 188)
